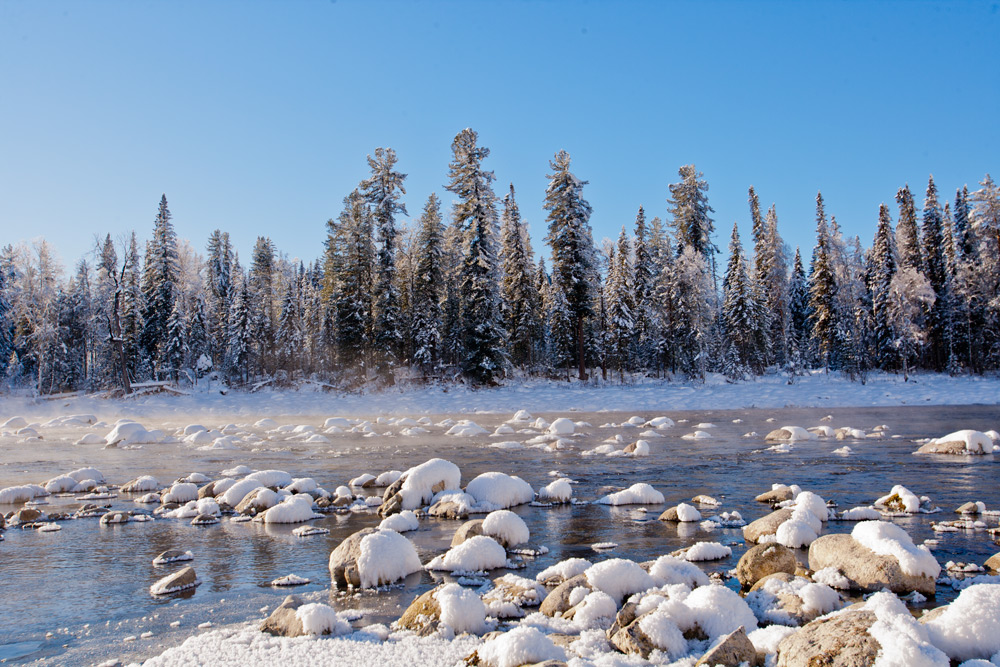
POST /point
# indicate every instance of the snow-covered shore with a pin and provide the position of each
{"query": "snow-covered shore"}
(815, 390)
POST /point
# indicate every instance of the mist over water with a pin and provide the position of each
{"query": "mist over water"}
(88, 584)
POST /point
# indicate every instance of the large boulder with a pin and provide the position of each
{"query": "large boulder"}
(176, 582)
(257, 501)
(833, 641)
(732, 650)
(423, 615)
(631, 640)
(766, 525)
(864, 569)
(782, 598)
(392, 499)
(763, 559)
(778, 494)
(344, 571)
(26, 515)
(992, 563)
(467, 530)
(283, 621)
(558, 601)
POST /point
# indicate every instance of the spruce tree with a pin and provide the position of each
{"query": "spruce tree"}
(823, 291)
(518, 295)
(799, 314)
(690, 210)
(238, 346)
(881, 269)
(907, 239)
(261, 288)
(573, 254)
(159, 283)
(620, 307)
(427, 285)
(381, 192)
(484, 361)
(175, 349)
(131, 313)
(218, 279)
(740, 315)
(642, 292)
(934, 269)
(963, 237)
(197, 339)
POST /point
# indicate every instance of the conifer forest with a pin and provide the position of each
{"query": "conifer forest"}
(458, 294)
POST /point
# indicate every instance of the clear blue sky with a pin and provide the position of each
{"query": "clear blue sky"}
(256, 117)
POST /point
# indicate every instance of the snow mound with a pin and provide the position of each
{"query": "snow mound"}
(461, 609)
(401, 522)
(641, 448)
(180, 492)
(61, 484)
(361, 480)
(888, 539)
(294, 509)
(598, 609)
(467, 429)
(18, 494)
(565, 569)
(87, 473)
(321, 619)
(797, 433)
(476, 554)
(619, 578)
(90, 439)
(707, 551)
(386, 556)
(909, 500)
(697, 435)
(387, 478)
(521, 416)
(718, 611)
(976, 442)
(969, 627)
(522, 645)
(238, 491)
(507, 527)
(637, 494)
(500, 490)
(426, 479)
(132, 433)
(562, 426)
(271, 478)
(904, 641)
(687, 513)
(559, 491)
(669, 570)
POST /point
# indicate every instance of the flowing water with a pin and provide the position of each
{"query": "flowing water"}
(81, 595)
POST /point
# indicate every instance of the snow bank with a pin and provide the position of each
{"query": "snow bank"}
(476, 554)
(619, 578)
(507, 527)
(520, 646)
(500, 490)
(637, 494)
(386, 556)
(320, 619)
(426, 479)
(461, 609)
(888, 539)
(969, 627)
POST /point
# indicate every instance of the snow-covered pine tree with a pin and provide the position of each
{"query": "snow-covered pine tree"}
(197, 338)
(934, 269)
(131, 313)
(910, 295)
(690, 210)
(6, 321)
(427, 286)
(348, 270)
(907, 236)
(158, 283)
(765, 261)
(238, 346)
(573, 254)
(740, 314)
(381, 192)
(663, 313)
(559, 322)
(985, 218)
(540, 340)
(288, 338)
(823, 291)
(620, 326)
(643, 280)
(484, 361)
(175, 349)
(219, 289)
(881, 269)
(261, 288)
(964, 240)
(693, 300)
(518, 296)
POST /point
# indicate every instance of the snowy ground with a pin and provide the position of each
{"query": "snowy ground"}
(816, 390)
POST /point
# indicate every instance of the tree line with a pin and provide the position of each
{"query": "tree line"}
(462, 296)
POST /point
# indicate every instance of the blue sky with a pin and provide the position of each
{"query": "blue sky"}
(256, 117)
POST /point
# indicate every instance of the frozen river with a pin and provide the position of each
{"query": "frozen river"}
(81, 595)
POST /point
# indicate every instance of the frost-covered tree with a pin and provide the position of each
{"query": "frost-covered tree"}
(907, 238)
(689, 207)
(823, 290)
(620, 326)
(131, 313)
(881, 269)
(559, 321)
(909, 295)
(740, 315)
(6, 312)
(198, 347)
(799, 310)
(427, 285)
(238, 348)
(381, 192)
(520, 303)
(963, 238)
(484, 361)
(573, 254)
(261, 287)
(985, 272)
(643, 281)
(348, 271)
(158, 283)
(175, 349)
(693, 312)
(219, 287)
